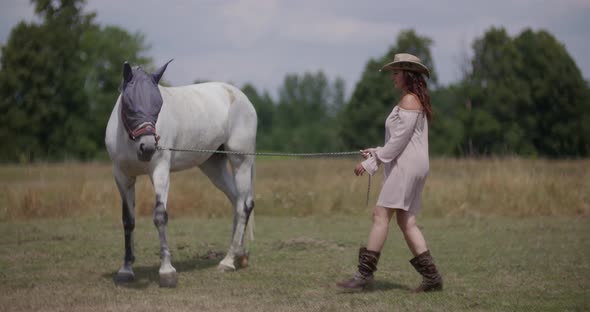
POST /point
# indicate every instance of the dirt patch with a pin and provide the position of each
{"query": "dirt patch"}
(213, 255)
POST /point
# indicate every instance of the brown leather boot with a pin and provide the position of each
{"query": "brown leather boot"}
(431, 280)
(367, 266)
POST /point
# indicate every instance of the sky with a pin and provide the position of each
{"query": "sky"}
(261, 41)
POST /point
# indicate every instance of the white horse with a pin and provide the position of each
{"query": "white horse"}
(210, 116)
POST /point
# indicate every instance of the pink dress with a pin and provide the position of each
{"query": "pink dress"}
(405, 159)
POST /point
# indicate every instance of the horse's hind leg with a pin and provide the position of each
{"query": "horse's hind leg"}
(161, 180)
(126, 186)
(216, 169)
(244, 204)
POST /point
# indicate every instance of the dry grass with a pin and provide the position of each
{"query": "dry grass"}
(509, 187)
(303, 187)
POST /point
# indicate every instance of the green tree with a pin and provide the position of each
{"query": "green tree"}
(265, 110)
(498, 96)
(526, 96)
(58, 82)
(558, 117)
(447, 131)
(304, 119)
(22, 116)
(40, 86)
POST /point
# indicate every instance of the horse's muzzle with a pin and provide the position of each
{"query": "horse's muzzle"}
(147, 147)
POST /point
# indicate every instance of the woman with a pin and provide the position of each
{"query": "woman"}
(406, 165)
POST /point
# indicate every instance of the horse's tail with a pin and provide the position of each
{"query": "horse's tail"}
(251, 224)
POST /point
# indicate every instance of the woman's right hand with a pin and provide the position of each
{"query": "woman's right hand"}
(366, 153)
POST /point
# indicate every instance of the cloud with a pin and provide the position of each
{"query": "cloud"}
(261, 41)
(333, 30)
(244, 23)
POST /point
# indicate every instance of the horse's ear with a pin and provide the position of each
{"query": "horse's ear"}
(127, 72)
(157, 75)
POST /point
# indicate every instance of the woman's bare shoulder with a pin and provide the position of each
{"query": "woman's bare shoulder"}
(410, 102)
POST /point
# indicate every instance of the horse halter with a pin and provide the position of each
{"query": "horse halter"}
(146, 128)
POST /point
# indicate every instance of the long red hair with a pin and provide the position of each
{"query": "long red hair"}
(416, 84)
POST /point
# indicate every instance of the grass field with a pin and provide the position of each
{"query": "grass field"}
(507, 235)
(489, 264)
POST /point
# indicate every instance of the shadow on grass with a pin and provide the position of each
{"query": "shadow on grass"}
(378, 285)
(387, 285)
(147, 275)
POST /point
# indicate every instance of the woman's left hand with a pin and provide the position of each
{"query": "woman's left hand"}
(359, 169)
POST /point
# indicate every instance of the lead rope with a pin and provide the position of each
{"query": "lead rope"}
(332, 154)
(368, 191)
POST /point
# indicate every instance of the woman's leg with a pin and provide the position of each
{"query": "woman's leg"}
(412, 234)
(380, 228)
(422, 261)
(369, 256)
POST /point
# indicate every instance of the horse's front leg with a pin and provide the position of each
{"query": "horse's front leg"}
(161, 180)
(126, 186)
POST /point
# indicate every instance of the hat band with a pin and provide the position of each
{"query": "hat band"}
(408, 66)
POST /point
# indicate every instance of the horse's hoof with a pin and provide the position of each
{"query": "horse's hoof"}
(242, 261)
(169, 280)
(225, 268)
(124, 278)
(228, 264)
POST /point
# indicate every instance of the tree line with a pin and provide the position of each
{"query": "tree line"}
(521, 95)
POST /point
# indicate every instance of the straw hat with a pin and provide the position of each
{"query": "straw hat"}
(406, 61)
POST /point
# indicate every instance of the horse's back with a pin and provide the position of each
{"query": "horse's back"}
(206, 116)
(206, 98)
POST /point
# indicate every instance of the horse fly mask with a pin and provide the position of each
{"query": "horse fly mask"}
(141, 102)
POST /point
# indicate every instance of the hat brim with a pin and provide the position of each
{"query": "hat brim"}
(405, 65)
